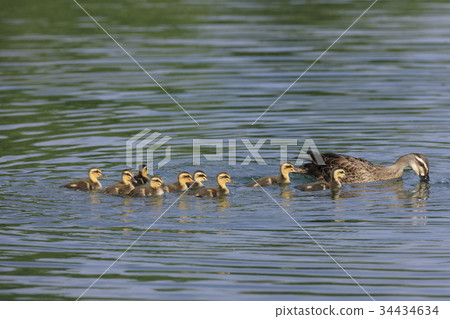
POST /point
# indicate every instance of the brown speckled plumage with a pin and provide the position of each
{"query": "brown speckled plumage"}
(358, 170)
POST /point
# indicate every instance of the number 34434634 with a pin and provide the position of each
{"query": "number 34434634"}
(409, 310)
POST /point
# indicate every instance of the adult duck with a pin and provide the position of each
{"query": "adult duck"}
(358, 170)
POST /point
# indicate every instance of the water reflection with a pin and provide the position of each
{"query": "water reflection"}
(223, 203)
(184, 203)
(155, 202)
(94, 198)
(395, 189)
(421, 192)
(287, 193)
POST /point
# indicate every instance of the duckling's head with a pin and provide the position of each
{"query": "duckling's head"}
(184, 177)
(419, 163)
(143, 170)
(200, 176)
(156, 182)
(128, 176)
(338, 174)
(287, 168)
(95, 173)
(223, 178)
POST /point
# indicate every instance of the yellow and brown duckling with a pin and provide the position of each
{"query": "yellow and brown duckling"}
(141, 176)
(154, 189)
(124, 187)
(359, 170)
(199, 177)
(336, 176)
(285, 169)
(90, 183)
(222, 180)
(180, 185)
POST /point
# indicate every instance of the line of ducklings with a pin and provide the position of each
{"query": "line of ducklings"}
(142, 185)
(335, 170)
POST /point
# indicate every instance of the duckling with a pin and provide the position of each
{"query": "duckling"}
(222, 179)
(285, 169)
(142, 176)
(337, 174)
(361, 171)
(124, 187)
(89, 183)
(155, 188)
(199, 177)
(180, 185)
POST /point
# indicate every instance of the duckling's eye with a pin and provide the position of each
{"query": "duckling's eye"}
(201, 175)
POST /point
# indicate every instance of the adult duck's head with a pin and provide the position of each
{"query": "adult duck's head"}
(419, 164)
